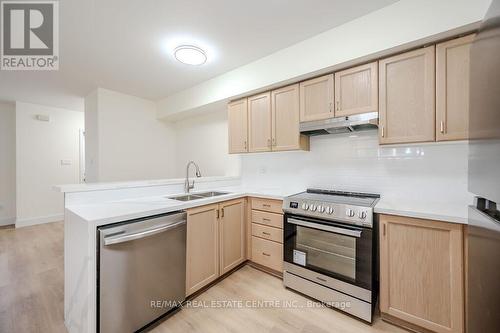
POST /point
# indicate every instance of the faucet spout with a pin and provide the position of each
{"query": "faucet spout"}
(187, 185)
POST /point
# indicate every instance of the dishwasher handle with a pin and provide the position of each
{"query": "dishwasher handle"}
(141, 234)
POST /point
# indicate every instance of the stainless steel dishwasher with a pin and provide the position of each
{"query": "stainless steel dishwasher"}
(141, 271)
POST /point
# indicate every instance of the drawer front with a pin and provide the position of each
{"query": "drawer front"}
(268, 205)
(267, 253)
(270, 219)
(266, 232)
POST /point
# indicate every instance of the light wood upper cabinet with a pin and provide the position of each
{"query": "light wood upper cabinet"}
(259, 122)
(406, 97)
(356, 90)
(237, 119)
(202, 250)
(232, 234)
(421, 273)
(452, 88)
(316, 98)
(285, 120)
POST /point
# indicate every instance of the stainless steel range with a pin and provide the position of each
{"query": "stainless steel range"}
(330, 247)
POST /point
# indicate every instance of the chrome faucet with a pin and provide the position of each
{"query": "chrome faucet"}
(187, 185)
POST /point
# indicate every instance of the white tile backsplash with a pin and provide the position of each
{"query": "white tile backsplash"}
(434, 172)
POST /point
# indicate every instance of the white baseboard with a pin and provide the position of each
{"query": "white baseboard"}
(7, 221)
(39, 220)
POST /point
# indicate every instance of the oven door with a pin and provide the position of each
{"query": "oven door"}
(337, 250)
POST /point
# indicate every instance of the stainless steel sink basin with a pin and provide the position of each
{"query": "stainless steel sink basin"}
(187, 197)
(211, 194)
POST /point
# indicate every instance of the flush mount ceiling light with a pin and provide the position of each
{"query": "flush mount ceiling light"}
(190, 55)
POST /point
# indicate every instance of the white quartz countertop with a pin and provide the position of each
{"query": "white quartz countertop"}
(107, 212)
(439, 211)
(128, 209)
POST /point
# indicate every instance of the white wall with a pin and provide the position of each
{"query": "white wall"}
(124, 140)
(401, 24)
(431, 172)
(204, 139)
(40, 147)
(7, 163)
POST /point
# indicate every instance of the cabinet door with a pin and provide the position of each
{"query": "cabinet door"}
(237, 119)
(259, 122)
(452, 89)
(421, 272)
(406, 97)
(202, 250)
(356, 90)
(285, 119)
(316, 98)
(232, 234)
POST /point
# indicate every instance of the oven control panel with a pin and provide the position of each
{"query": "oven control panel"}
(358, 215)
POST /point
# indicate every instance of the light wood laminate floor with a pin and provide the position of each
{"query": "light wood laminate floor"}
(31, 296)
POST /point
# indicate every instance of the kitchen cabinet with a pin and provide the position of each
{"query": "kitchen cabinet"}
(285, 120)
(422, 274)
(316, 98)
(406, 97)
(452, 88)
(266, 233)
(237, 119)
(202, 249)
(356, 90)
(259, 123)
(215, 242)
(232, 234)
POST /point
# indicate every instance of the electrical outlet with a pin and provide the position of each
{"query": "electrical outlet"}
(262, 170)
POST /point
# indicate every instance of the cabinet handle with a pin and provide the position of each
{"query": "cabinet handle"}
(338, 105)
(330, 106)
(441, 125)
(266, 205)
(217, 213)
(383, 131)
(265, 219)
(321, 279)
(245, 144)
(384, 229)
(274, 142)
(266, 254)
(266, 233)
(222, 212)
(269, 143)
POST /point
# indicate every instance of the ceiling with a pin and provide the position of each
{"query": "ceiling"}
(125, 45)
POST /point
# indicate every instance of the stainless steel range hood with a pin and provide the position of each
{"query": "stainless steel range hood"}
(357, 122)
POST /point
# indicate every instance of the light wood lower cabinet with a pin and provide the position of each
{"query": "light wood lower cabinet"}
(422, 274)
(202, 250)
(232, 234)
(266, 233)
(215, 242)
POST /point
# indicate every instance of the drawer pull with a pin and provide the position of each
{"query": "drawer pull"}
(321, 279)
(266, 254)
(266, 219)
(266, 233)
(266, 205)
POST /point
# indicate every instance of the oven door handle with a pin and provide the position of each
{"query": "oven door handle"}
(337, 230)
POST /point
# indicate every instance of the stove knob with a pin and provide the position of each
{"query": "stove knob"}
(329, 210)
(305, 206)
(362, 215)
(313, 207)
(321, 209)
(350, 213)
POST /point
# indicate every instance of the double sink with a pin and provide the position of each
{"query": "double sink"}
(197, 196)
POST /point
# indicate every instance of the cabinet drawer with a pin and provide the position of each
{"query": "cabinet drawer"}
(266, 232)
(267, 253)
(270, 219)
(268, 205)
